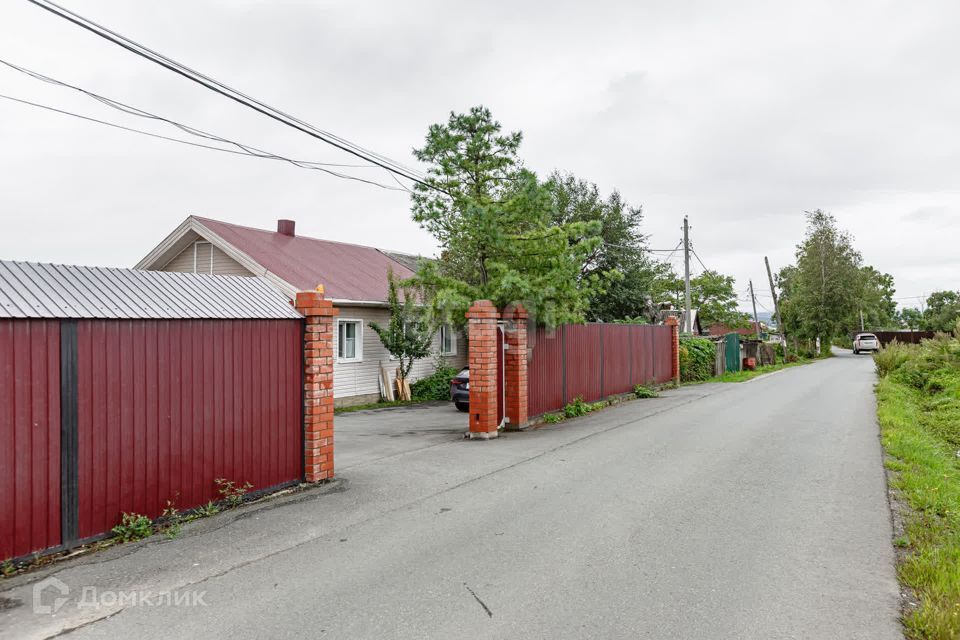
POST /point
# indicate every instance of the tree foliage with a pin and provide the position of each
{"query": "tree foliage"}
(407, 337)
(494, 222)
(824, 293)
(628, 275)
(941, 313)
(712, 293)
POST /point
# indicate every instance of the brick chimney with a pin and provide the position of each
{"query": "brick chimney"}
(287, 227)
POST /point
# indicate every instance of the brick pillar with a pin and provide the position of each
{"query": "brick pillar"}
(317, 384)
(674, 324)
(515, 378)
(482, 336)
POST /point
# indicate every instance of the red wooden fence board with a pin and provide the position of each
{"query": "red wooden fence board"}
(165, 407)
(29, 436)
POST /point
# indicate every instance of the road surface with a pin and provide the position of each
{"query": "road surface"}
(753, 510)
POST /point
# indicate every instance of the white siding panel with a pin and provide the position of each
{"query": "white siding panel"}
(361, 378)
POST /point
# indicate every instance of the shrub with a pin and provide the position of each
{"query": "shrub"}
(696, 359)
(891, 357)
(436, 386)
(133, 526)
(644, 392)
(577, 408)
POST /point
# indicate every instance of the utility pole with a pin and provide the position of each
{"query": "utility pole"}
(753, 299)
(776, 307)
(686, 276)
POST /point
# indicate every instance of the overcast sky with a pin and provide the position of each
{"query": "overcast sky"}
(738, 114)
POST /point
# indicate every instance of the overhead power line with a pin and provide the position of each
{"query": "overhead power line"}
(235, 95)
(265, 155)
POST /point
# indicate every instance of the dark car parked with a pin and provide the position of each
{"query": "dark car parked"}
(460, 390)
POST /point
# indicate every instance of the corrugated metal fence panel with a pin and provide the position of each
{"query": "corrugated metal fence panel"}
(618, 346)
(662, 353)
(582, 361)
(641, 353)
(545, 371)
(166, 407)
(29, 436)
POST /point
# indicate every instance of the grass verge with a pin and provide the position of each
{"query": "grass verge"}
(919, 432)
(743, 376)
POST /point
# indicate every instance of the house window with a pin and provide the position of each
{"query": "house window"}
(448, 341)
(202, 257)
(349, 340)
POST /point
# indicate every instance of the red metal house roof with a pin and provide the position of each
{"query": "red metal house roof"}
(347, 271)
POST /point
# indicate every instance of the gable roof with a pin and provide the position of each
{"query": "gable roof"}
(40, 290)
(348, 272)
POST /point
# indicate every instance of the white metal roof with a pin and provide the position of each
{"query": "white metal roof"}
(39, 290)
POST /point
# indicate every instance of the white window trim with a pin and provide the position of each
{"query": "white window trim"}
(453, 340)
(195, 244)
(359, 339)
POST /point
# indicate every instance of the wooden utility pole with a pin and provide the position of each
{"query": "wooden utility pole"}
(687, 321)
(776, 306)
(756, 321)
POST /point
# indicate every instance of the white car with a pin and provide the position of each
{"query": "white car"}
(865, 342)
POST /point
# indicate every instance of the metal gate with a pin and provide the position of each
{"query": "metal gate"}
(732, 351)
(501, 378)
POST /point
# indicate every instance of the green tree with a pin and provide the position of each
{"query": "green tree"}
(629, 275)
(875, 301)
(406, 337)
(495, 226)
(712, 294)
(822, 294)
(911, 318)
(942, 312)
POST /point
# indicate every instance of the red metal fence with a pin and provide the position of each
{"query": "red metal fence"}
(100, 417)
(29, 436)
(594, 361)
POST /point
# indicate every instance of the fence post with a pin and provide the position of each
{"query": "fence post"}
(481, 334)
(672, 322)
(319, 316)
(515, 379)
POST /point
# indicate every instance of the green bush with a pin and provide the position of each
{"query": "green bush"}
(577, 408)
(644, 392)
(436, 386)
(696, 359)
(133, 526)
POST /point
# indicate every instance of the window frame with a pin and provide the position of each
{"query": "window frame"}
(358, 340)
(447, 329)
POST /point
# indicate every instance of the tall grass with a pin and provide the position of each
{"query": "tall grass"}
(919, 413)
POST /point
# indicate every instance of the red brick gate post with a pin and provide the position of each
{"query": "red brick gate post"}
(317, 384)
(482, 336)
(515, 380)
(674, 325)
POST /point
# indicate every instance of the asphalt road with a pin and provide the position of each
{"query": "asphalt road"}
(754, 510)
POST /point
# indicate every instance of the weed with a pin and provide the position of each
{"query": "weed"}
(133, 526)
(7, 569)
(231, 492)
(577, 408)
(206, 510)
(553, 418)
(901, 541)
(644, 392)
(172, 520)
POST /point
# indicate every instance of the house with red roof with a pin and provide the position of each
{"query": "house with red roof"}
(354, 277)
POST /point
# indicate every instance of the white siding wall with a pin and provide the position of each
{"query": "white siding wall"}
(223, 265)
(357, 382)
